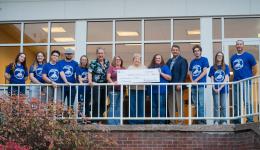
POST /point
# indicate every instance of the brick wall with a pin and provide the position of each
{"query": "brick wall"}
(183, 140)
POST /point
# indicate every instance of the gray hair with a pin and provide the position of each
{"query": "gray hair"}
(99, 48)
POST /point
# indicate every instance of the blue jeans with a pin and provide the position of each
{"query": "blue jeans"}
(220, 107)
(246, 87)
(136, 103)
(84, 92)
(197, 96)
(158, 107)
(114, 109)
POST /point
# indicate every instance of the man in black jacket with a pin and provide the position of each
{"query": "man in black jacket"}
(179, 68)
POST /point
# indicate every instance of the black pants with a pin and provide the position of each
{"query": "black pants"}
(99, 101)
(69, 93)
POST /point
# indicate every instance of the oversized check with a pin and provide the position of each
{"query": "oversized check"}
(138, 76)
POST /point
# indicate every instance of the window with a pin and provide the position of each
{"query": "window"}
(158, 30)
(99, 31)
(10, 33)
(216, 27)
(8, 55)
(186, 29)
(126, 51)
(242, 28)
(36, 33)
(91, 51)
(128, 30)
(62, 32)
(151, 49)
(30, 52)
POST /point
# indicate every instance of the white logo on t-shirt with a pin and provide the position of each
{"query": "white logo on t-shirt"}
(68, 70)
(19, 73)
(196, 70)
(53, 74)
(219, 75)
(238, 64)
(39, 72)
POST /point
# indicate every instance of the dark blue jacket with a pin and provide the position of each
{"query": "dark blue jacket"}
(179, 69)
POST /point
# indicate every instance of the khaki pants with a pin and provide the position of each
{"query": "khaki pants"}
(173, 99)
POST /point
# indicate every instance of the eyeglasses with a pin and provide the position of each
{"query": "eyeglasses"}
(219, 55)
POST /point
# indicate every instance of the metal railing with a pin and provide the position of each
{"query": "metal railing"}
(155, 103)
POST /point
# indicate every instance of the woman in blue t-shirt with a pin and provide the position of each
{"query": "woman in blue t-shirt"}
(35, 75)
(17, 73)
(84, 91)
(219, 73)
(158, 95)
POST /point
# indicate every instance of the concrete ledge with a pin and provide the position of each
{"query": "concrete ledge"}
(181, 128)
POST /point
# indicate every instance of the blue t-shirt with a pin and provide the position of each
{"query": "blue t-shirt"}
(219, 76)
(37, 72)
(53, 72)
(83, 72)
(69, 68)
(242, 65)
(17, 75)
(164, 69)
(196, 68)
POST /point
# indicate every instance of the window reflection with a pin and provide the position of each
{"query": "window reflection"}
(99, 31)
(31, 51)
(91, 51)
(242, 28)
(36, 33)
(62, 32)
(216, 48)
(158, 30)
(10, 33)
(7, 56)
(216, 27)
(186, 29)
(128, 30)
(126, 51)
(151, 49)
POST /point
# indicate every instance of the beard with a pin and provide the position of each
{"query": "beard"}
(68, 58)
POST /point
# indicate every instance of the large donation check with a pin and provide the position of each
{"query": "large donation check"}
(138, 76)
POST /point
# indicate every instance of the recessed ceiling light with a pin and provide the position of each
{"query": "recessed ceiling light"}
(193, 32)
(64, 39)
(126, 33)
(54, 29)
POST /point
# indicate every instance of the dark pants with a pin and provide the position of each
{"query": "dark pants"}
(69, 93)
(99, 101)
(15, 90)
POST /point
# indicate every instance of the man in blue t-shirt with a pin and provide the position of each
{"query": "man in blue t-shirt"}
(244, 66)
(198, 74)
(69, 67)
(52, 74)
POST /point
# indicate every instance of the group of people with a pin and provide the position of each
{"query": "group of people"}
(100, 70)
